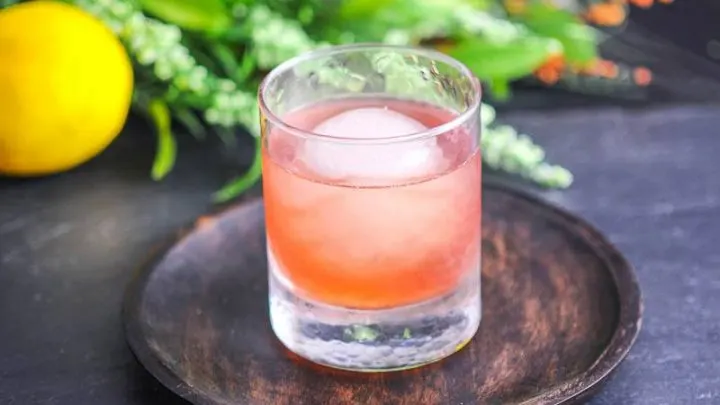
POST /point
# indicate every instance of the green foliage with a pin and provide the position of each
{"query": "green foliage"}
(197, 15)
(504, 149)
(361, 9)
(579, 41)
(500, 62)
(199, 62)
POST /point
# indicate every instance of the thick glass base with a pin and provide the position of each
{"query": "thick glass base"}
(375, 340)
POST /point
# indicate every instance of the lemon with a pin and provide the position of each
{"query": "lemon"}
(65, 88)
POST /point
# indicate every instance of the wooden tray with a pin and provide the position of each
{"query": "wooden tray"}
(561, 309)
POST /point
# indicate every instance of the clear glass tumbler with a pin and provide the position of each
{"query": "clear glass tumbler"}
(372, 183)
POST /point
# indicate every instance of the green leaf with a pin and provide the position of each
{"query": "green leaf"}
(190, 121)
(226, 135)
(246, 68)
(579, 40)
(354, 9)
(483, 4)
(166, 147)
(195, 15)
(493, 60)
(240, 184)
(548, 14)
(237, 33)
(226, 57)
(500, 89)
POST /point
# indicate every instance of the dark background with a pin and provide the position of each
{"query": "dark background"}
(646, 175)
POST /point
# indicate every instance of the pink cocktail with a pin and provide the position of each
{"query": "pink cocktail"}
(372, 188)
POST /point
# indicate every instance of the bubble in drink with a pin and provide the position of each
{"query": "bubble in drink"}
(390, 161)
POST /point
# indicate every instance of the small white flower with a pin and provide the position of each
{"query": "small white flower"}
(180, 57)
(239, 10)
(487, 114)
(181, 82)
(226, 85)
(225, 119)
(397, 37)
(146, 56)
(120, 9)
(196, 82)
(222, 101)
(135, 24)
(163, 70)
(115, 26)
(212, 115)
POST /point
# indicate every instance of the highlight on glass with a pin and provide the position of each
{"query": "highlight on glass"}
(372, 190)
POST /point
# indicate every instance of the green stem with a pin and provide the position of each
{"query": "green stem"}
(240, 184)
(500, 89)
(225, 58)
(166, 146)
(190, 121)
(246, 68)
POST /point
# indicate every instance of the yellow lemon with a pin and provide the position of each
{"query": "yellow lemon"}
(65, 88)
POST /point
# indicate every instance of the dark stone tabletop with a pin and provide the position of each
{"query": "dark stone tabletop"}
(646, 176)
(69, 243)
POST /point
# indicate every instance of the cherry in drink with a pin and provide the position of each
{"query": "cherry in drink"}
(372, 189)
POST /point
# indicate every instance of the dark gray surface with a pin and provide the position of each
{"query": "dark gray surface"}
(650, 181)
(69, 243)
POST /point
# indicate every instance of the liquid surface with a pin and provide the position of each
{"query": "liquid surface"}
(372, 227)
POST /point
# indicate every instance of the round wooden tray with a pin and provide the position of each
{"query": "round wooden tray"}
(561, 309)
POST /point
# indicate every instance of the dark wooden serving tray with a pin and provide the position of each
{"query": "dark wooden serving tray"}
(561, 309)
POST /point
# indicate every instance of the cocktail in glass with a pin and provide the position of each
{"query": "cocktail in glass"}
(372, 190)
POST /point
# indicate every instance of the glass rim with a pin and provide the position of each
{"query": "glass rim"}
(431, 132)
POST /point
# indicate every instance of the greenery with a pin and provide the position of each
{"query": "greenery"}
(199, 62)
